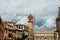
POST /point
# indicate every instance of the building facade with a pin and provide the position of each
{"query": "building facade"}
(21, 32)
(15, 31)
(9, 30)
(45, 35)
(2, 30)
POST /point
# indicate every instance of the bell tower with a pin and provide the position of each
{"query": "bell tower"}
(30, 25)
(30, 21)
(58, 24)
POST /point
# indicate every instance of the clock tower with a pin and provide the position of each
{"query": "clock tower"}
(58, 24)
(30, 21)
(30, 25)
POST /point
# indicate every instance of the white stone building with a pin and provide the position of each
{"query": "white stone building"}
(45, 35)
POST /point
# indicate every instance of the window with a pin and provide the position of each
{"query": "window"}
(10, 36)
(17, 27)
(45, 38)
(20, 27)
(25, 27)
(12, 24)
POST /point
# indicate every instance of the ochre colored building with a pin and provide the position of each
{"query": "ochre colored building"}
(1, 29)
(18, 31)
(12, 31)
(9, 30)
(21, 32)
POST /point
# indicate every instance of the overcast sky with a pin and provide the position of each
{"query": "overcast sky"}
(45, 11)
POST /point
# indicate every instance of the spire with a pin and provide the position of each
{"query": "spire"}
(30, 17)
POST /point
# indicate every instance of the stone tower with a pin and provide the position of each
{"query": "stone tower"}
(30, 21)
(1, 29)
(58, 24)
(30, 25)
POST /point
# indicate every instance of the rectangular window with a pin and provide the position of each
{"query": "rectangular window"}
(25, 27)
(20, 27)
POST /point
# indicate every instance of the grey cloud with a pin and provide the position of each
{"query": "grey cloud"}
(11, 9)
